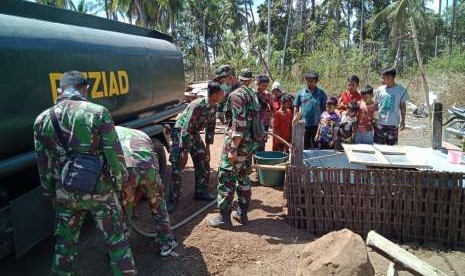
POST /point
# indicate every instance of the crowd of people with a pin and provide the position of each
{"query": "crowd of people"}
(356, 116)
(86, 164)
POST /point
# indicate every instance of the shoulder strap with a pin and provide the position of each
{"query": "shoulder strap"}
(56, 127)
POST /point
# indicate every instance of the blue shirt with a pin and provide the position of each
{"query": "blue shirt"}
(311, 105)
(389, 100)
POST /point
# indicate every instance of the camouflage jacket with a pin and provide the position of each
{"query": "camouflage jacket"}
(137, 148)
(89, 129)
(197, 116)
(240, 109)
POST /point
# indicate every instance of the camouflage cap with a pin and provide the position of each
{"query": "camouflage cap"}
(246, 74)
(72, 79)
(223, 71)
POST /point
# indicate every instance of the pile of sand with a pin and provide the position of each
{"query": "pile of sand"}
(341, 253)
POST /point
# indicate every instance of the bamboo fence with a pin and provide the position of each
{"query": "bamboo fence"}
(405, 205)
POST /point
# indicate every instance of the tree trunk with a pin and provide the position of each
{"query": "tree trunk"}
(268, 39)
(289, 15)
(301, 5)
(447, 5)
(349, 14)
(205, 44)
(362, 19)
(312, 15)
(400, 41)
(440, 7)
(420, 64)
(251, 12)
(247, 21)
(452, 29)
(173, 28)
(141, 12)
(337, 18)
(107, 11)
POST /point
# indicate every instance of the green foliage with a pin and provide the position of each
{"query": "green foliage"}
(334, 65)
(455, 63)
(321, 36)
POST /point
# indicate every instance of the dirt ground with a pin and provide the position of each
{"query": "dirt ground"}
(267, 246)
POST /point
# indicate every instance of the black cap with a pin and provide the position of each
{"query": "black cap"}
(223, 71)
(246, 74)
(262, 79)
(72, 79)
(311, 75)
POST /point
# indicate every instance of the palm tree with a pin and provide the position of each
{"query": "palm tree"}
(398, 15)
(405, 16)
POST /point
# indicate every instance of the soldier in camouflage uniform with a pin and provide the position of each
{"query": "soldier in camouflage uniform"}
(199, 115)
(224, 74)
(88, 128)
(239, 144)
(144, 179)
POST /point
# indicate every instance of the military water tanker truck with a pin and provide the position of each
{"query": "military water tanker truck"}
(135, 72)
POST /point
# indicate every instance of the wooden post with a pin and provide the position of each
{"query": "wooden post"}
(298, 132)
(437, 126)
(400, 257)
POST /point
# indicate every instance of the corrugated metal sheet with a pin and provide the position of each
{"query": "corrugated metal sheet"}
(335, 159)
(328, 159)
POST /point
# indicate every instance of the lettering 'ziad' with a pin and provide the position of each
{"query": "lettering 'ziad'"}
(102, 84)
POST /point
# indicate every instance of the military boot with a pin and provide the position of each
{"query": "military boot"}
(240, 215)
(222, 220)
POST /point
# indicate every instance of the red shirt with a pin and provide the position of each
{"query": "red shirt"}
(347, 97)
(365, 117)
(282, 125)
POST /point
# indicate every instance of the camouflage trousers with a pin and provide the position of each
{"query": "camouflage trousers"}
(233, 178)
(148, 182)
(109, 220)
(199, 158)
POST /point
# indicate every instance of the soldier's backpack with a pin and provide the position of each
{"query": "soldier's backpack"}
(79, 172)
(258, 129)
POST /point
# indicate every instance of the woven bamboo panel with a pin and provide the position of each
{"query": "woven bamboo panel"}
(408, 206)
